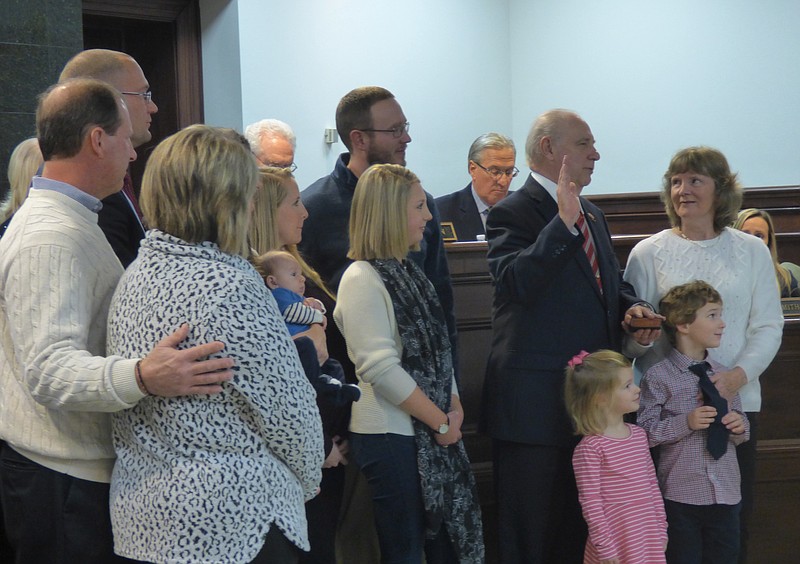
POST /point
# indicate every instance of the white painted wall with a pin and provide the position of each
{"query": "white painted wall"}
(222, 78)
(654, 77)
(649, 77)
(299, 58)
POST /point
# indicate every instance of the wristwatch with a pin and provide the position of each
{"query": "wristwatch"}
(444, 427)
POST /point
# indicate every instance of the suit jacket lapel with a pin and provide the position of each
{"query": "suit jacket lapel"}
(470, 215)
(546, 206)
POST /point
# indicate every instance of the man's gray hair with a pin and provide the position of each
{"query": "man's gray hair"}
(257, 131)
(491, 140)
(549, 124)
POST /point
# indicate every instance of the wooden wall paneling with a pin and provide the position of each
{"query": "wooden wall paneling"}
(472, 292)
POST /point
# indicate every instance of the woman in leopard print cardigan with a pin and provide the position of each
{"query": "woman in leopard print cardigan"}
(219, 478)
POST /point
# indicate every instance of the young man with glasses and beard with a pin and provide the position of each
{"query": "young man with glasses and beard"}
(374, 129)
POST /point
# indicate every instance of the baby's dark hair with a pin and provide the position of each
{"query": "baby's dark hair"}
(587, 378)
(681, 303)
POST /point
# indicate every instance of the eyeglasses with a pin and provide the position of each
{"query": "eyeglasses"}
(148, 96)
(497, 173)
(290, 167)
(397, 131)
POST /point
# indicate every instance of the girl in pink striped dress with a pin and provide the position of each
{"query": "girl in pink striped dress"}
(617, 484)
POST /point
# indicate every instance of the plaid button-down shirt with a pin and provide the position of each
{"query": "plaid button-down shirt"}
(687, 473)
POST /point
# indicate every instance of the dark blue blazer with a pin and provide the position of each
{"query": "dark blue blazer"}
(121, 227)
(459, 208)
(547, 308)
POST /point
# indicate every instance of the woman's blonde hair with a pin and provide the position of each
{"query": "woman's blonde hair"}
(270, 194)
(264, 236)
(198, 185)
(379, 214)
(782, 274)
(588, 382)
(22, 167)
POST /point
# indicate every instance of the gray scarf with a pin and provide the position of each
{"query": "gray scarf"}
(448, 486)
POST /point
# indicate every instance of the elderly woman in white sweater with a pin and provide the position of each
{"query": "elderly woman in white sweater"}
(406, 429)
(220, 478)
(702, 196)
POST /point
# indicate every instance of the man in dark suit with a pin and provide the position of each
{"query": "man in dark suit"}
(549, 304)
(491, 165)
(120, 218)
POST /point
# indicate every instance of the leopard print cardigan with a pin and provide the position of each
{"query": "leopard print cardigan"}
(203, 478)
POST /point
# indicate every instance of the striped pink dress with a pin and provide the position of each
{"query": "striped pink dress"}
(621, 502)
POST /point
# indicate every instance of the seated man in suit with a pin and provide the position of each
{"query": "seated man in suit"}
(491, 165)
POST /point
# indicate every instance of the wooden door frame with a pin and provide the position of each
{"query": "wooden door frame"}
(185, 15)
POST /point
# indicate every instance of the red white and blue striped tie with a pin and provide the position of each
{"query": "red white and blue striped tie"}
(588, 248)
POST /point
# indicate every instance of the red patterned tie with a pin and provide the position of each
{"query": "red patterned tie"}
(588, 248)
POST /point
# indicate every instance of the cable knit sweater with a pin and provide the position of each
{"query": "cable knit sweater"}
(365, 315)
(739, 266)
(57, 275)
(203, 478)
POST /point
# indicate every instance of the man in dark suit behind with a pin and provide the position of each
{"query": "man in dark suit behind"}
(491, 165)
(548, 306)
(120, 218)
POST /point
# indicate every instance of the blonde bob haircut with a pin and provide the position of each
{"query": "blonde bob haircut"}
(379, 214)
(588, 385)
(198, 185)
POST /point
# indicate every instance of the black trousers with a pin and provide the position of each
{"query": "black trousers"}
(322, 513)
(277, 549)
(539, 515)
(53, 518)
(6, 553)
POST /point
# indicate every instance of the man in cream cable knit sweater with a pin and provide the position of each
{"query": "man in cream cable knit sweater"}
(57, 276)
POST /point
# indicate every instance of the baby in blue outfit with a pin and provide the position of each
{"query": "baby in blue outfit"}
(284, 277)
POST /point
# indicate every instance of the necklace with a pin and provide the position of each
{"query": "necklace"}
(699, 242)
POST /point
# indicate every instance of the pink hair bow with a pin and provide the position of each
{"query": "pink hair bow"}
(577, 359)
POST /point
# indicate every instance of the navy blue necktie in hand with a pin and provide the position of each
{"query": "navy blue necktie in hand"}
(717, 442)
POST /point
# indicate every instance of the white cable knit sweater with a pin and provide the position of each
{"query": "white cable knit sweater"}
(739, 266)
(57, 276)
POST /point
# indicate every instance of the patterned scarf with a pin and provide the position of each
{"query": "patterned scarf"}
(448, 486)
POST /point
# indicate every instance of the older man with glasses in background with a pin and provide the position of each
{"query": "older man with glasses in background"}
(273, 143)
(490, 164)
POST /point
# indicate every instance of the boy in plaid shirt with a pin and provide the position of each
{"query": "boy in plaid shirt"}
(697, 430)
